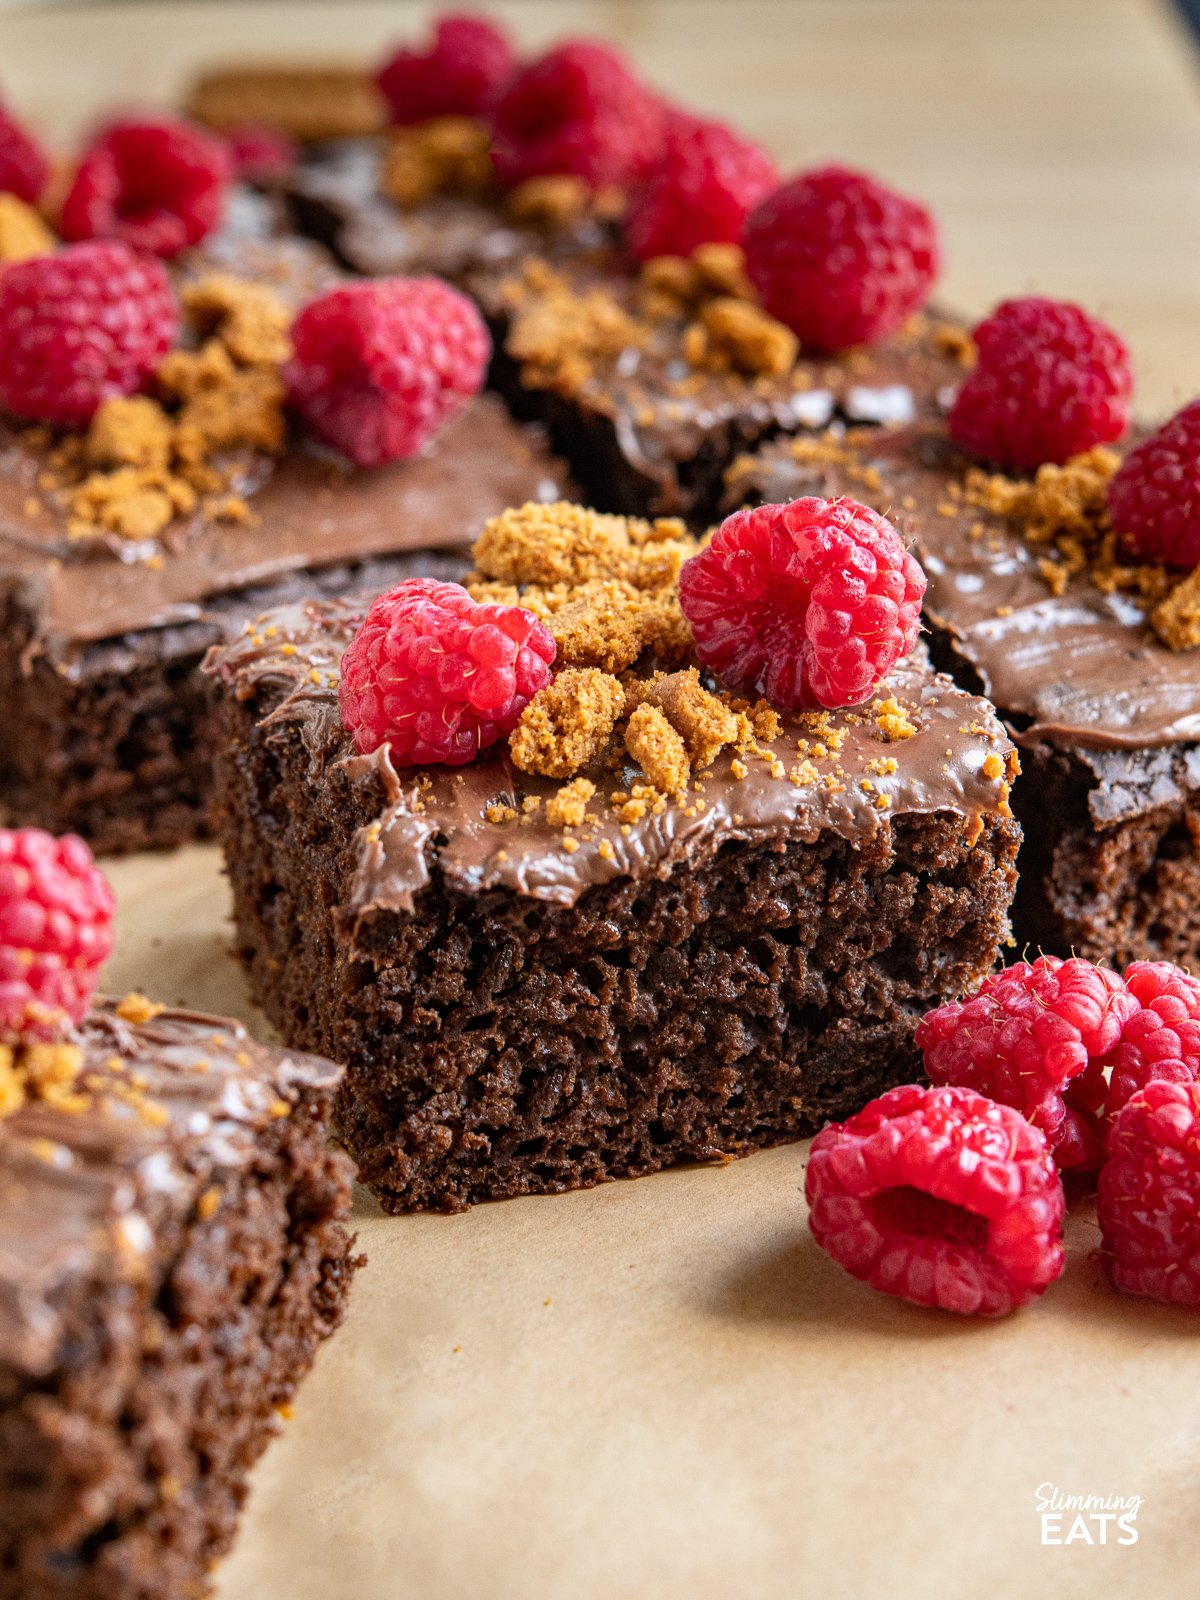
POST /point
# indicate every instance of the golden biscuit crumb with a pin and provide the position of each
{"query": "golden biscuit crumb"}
(568, 808)
(1176, 620)
(558, 331)
(567, 724)
(134, 432)
(554, 201)
(445, 155)
(248, 319)
(734, 336)
(658, 749)
(562, 543)
(137, 1008)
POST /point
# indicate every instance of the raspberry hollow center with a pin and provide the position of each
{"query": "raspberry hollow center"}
(921, 1215)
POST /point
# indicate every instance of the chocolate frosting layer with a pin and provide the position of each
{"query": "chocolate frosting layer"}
(309, 511)
(1080, 668)
(336, 195)
(80, 1190)
(435, 822)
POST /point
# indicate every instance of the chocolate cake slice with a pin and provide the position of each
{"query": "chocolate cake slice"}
(119, 567)
(705, 942)
(172, 1253)
(1106, 716)
(651, 385)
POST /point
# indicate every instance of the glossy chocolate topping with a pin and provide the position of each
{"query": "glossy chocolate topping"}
(435, 820)
(80, 1190)
(1080, 668)
(336, 195)
(309, 511)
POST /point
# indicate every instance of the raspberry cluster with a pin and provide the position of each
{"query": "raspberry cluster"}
(707, 183)
(56, 911)
(810, 604)
(949, 1196)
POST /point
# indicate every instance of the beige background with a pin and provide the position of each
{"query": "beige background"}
(662, 1388)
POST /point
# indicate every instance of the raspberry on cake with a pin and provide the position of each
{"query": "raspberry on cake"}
(580, 111)
(708, 181)
(87, 324)
(941, 1197)
(661, 921)
(1049, 383)
(378, 368)
(839, 258)
(1033, 600)
(460, 74)
(158, 185)
(1154, 497)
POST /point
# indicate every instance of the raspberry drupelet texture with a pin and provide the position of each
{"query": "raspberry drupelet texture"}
(460, 74)
(87, 324)
(56, 911)
(941, 1197)
(24, 168)
(439, 677)
(839, 258)
(1149, 1205)
(810, 604)
(1154, 499)
(159, 185)
(1160, 1041)
(379, 368)
(579, 110)
(1030, 1030)
(1050, 382)
(704, 188)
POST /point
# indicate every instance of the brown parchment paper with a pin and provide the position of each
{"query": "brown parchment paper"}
(662, 1388)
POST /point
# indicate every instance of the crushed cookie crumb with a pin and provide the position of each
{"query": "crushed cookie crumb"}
(498, 813)
(562, 543)
(567, 724)
(444, 155)
(993, 766)
(136, 1008)
(553, 201)
(558, 331)
(1176, 619)
(732, 335)
(893, 720)
(249, 320)
(568, 808)
(658, 749)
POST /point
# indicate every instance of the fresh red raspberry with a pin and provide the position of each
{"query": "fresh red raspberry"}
(578, 110)
(1024, 1036)
(380, 367)
(439, 677)
(261, 152)
(159, 185)
(24, 169)
(708, 181)
(810, 604)
(939, 1196)
(839, 258)
(56, 912)
(460, 74)
(1154, 499)
(1050, 382)
(1149, 1205)
(1160, 1041)
(84, 325)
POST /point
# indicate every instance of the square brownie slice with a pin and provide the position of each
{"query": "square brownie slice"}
(1106, 716)
(540, 985)
(172, 1253)
(117, 572)
(652, 384)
